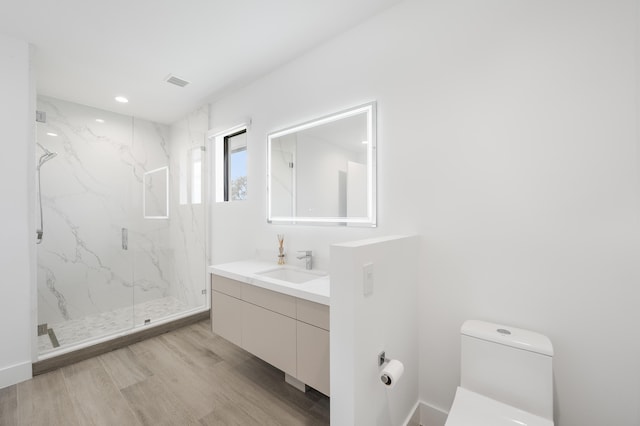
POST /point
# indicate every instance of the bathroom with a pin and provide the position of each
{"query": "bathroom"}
(507, 143)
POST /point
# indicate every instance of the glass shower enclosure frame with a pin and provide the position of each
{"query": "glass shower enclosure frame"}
(121, 219)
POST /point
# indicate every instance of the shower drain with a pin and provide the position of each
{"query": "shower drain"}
(53, 338)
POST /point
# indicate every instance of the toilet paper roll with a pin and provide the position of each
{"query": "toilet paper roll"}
(391, 373)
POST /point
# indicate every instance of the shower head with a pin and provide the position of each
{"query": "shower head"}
(48, 155)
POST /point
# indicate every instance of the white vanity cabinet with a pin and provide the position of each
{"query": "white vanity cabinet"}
(269, 335)
(226, 317)
(312, 339)
(290, 333)
(226, 309)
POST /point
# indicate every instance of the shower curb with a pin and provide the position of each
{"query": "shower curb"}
(50, 364)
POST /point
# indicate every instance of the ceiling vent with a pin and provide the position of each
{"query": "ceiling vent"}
(176, 80)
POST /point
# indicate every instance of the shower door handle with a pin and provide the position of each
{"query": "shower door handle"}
(125, 239)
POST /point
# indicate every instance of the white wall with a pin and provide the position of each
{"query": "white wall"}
(18, 232)
(507, 141)
(362, 326)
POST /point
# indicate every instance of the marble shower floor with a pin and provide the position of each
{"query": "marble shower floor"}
(79, 330)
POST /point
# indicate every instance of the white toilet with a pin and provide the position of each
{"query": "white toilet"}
(506, 377)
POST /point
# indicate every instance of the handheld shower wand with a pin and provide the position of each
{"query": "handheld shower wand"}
(48, 155)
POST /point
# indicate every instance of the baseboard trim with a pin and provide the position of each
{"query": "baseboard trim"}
(53, 363)
(413, 419)
(15, 374)
(432, 416)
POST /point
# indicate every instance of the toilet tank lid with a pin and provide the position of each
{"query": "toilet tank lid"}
(510, 336)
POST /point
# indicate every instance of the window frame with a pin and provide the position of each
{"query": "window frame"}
(226, 162)
(220, 160)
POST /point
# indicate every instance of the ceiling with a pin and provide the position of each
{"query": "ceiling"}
(90, 51)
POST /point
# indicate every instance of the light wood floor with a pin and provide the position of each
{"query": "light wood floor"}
(186, 377)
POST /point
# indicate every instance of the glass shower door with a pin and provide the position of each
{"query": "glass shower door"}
(169, 224)
(84, 272)
(123, 241)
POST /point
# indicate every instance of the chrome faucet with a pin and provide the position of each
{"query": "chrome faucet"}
(308, 255)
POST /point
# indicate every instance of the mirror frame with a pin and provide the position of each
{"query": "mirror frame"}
(370, 219)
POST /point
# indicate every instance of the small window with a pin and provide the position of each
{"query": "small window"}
(231, 165)
(235, 165)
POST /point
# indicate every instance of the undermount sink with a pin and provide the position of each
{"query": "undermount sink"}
(292, 275)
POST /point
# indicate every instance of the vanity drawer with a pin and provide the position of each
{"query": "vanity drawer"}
(270, 336)
(313, 356)
(276, 302)
(227, 286)
(313, 313)
(226, 317)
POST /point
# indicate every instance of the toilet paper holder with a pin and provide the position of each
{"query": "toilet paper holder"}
(382, 359)
(390, 370)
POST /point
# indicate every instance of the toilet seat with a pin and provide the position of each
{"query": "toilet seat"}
(472, 409)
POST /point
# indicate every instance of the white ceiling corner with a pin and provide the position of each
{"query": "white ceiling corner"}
(89, 51)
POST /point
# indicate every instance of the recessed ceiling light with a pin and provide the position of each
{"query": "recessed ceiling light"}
(121, 99)
(365, 142)
(99, 120)
(52, 134)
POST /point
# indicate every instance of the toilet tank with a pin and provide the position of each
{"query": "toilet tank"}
(508, 364)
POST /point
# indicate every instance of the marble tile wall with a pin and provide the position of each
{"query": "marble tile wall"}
(92, 190)
(187, 233)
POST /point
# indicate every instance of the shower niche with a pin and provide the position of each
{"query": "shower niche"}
(106, 264)
(155, 194)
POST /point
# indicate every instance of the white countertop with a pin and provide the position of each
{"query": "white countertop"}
(316, 290)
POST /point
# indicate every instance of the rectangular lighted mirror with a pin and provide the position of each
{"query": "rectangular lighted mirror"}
(324, 171)
(155, 194)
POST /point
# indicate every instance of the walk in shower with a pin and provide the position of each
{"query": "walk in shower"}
(121, 223)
